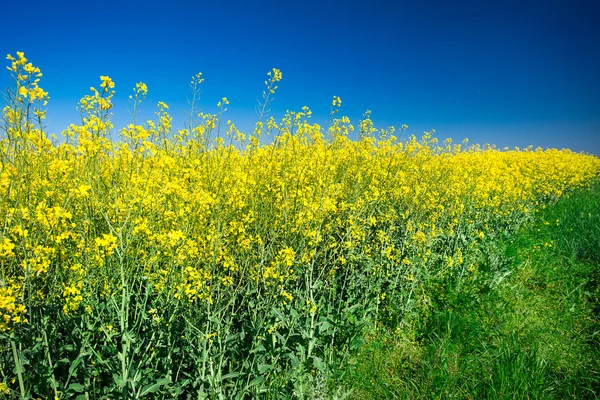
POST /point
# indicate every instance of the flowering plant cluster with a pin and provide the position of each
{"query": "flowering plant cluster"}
(215, 262)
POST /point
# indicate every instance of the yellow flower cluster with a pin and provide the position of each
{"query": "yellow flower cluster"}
(28, 89)
(12, 311)
(25, 115)
(199, 218)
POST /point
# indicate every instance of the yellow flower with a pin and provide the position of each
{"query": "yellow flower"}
(277, 75)
(23, 91)
(107, 83)
(141, 88)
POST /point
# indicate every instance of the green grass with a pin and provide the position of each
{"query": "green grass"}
(527, 327)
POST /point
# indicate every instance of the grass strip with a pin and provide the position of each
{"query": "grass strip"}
(526, 328)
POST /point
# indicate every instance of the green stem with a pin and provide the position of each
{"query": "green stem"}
(53, 381)
(19, 368)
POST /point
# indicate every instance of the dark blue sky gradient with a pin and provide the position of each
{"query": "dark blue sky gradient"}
(509, 73)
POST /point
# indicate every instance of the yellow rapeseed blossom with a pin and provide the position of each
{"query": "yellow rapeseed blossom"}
(206, 213)
(277, 75)
(12, 311)
(108, 243)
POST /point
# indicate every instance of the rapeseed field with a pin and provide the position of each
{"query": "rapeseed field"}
(217, 263)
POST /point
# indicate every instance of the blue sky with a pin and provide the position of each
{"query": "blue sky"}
(512, 73)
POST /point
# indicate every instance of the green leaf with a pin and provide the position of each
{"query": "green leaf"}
(294, 313)
(24, 360)
(325, 324)
(231, 337)
(153, 387)
(280, 337)
(231, 375)
(264, 368)
(319, 364)
(258, 349)
(295, 361)
(255, 382)
(280, 316)
(356, 343)
(75, 365)
(350, 309)
(301, 350)
(118, 379)
(76, 387)
(67, 347)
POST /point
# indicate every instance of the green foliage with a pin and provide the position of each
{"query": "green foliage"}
(526, 328)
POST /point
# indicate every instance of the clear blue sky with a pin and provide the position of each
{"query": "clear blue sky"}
(512, 73)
